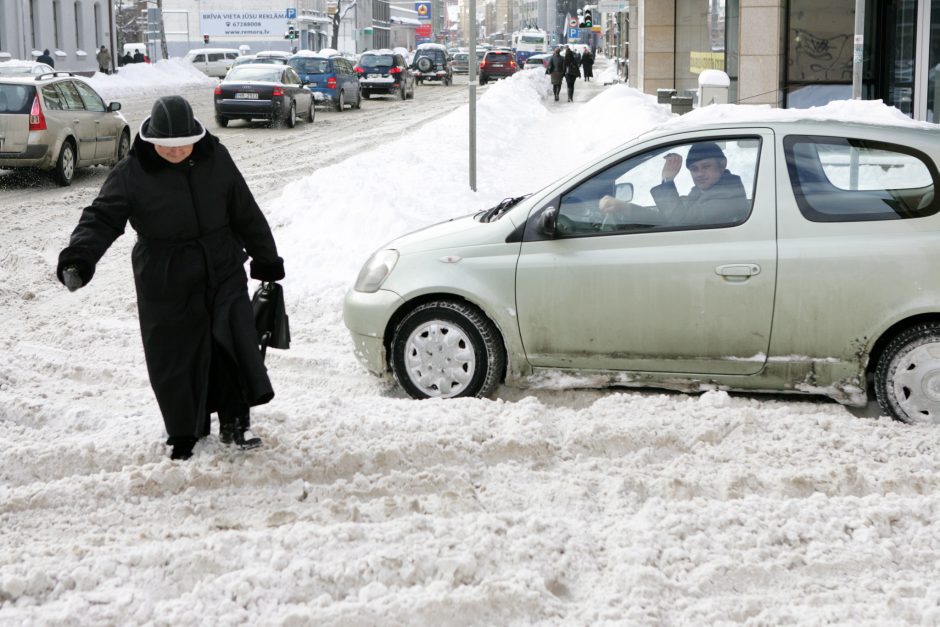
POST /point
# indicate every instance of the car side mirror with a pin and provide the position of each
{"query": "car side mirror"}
(114, 106)
(547, 221)
(623, 191)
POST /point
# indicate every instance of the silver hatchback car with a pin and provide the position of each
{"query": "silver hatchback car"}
(57, 122)
(797, 256)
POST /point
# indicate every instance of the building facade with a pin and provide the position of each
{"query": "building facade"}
(72, 30)
(790, 53)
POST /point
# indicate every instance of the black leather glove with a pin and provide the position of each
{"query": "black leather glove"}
(267, 271)
(72, 278)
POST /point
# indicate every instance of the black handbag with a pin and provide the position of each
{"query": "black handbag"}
(270, 317)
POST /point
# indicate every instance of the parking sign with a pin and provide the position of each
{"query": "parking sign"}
(291, 14)
(574, 33)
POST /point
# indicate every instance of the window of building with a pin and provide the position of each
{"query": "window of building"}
(33, 24)
(700, 41)
(933, 64)
(79, 26)
(838, 179)
(97, 25)
(819, 52)
(57, 24)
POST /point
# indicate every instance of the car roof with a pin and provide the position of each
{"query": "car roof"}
(273, 53)
(431, 46)
(266, 66)
(198, 50)
(32, 79)
(380, 51)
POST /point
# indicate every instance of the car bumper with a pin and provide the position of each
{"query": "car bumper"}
(35, 156)
(366, 316)
(248, 108)
(431, 76)
(379, 85)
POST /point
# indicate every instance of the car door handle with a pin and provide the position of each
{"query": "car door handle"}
(739, 270)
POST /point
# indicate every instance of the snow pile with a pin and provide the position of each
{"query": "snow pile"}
(160, 78)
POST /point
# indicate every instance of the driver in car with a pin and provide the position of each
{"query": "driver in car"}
(718, 196)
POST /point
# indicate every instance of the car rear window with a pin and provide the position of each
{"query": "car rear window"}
(497, 56)
(245, 73)
(841, 179)
(311, 66)
(435, 55)
(16, 98)
(377, 60)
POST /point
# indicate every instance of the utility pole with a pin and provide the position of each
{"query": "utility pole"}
(472, 78)
(162, 30)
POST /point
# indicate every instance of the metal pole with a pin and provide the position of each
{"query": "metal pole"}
(472, 78)
(858, 49)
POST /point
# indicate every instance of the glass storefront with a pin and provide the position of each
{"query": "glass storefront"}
(700, 41)
(819, 52)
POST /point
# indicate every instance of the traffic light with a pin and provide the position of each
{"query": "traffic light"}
(291, 33)
(205, 38)
(586, 21)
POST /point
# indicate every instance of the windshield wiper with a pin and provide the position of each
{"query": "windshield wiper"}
(504, 205)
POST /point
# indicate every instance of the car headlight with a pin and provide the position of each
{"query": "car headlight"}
(376, 270)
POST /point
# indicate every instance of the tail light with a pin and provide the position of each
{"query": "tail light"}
(278, 92)
(358, 70)
(37, 121)
(218, 90)
(395, 70)
(331, 82)
(483, 65)
(512, 63)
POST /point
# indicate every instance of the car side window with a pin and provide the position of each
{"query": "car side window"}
(216, 56)
(199, 58)
(93, 101)
(702, 184)
(841, 179)
(231, 55)
(73, 101)
(52, 97)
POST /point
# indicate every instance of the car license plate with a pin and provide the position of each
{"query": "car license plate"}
(246, 95)
(374, 76)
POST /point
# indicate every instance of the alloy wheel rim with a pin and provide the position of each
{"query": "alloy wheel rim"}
(917, 383)
(68, 163)
(439, 359)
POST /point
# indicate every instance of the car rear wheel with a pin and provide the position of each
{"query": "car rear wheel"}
(447, 349)
(366, 95)
(358, 104)
(291, 119)
(223, 122)
(907, 380)
(482, 80)
(403, 92)
(340, 101)
(65, 165)
(124, 146)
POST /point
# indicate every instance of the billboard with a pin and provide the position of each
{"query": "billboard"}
(423, 9)
(243, 23)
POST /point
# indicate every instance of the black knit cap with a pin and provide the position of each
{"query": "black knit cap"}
(171, 123)
(704, 150)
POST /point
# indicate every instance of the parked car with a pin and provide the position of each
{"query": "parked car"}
(24, 68)
(213, 61)
(385, 72)
(497, 64)
(431, 63)
(815, 273)
(461, 63)
(263, 91)
(57, 122)
(331, 79)
(537, 62)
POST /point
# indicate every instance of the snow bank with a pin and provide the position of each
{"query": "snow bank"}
(159, 78)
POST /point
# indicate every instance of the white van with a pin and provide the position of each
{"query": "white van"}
(213, 61)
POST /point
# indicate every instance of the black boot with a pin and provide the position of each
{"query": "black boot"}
(182, 446)
(238, 432)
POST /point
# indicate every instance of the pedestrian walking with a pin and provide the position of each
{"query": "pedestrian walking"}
(587, 62)
(127, 58)
(556, 69)
(46, 58)
(139, 57)
(104, 60)
(572, 72)
(197, 223)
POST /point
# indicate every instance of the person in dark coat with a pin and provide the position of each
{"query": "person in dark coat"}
(572, 72)
(127, 58)
(197, 223)
(46, 58)
(587, 62)
(138, 56)
(556, 69)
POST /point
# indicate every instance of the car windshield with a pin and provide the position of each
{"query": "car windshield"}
(310, 66)
(245, 73)
(270, 60)
(376, 60)
(16, 98)
(461, 56)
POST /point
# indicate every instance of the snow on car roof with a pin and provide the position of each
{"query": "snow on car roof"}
(431, 46)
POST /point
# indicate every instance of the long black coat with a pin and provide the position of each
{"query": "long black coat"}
(194, 222)
(587, 62)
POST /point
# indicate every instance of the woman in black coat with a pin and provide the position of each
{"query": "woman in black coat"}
(556, 69)
(195, 219)
(572, 72)
(587, 62)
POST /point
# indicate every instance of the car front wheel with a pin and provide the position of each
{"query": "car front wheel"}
(907, 380)
(65, 165)
(447, 349)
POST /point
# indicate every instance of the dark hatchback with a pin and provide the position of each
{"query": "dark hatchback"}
(385, 72)
(497, 64)
(268, 92)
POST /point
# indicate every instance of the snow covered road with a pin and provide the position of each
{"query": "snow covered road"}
(574, 507)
